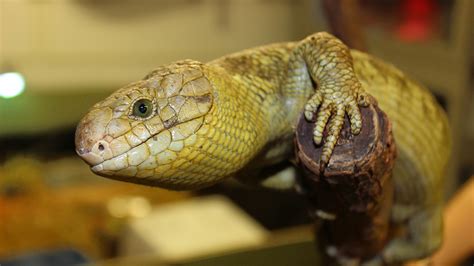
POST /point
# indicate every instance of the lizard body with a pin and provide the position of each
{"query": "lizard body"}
(188, 125)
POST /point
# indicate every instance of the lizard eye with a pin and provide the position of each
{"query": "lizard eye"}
(142, 108)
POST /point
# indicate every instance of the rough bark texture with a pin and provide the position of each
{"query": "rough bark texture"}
(356, 185)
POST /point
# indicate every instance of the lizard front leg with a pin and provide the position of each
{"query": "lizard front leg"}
(338, 92)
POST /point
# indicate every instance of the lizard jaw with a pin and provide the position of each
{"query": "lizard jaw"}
(97, 168)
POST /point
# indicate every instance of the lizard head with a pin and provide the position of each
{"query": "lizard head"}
(148, 131)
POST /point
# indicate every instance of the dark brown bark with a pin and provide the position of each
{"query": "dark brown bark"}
(344, 21)
(356, 185)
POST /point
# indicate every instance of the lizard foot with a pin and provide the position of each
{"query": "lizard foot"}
(329, 104)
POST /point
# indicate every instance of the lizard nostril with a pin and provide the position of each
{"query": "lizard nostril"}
(82, 151)
(101, 147)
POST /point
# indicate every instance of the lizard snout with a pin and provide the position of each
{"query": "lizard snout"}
(89, 139)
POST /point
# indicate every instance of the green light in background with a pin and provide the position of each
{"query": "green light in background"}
(12, 84)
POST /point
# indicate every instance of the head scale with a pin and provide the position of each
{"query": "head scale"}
(147, 131)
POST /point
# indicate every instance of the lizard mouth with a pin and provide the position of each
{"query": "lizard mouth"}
(97, 168)
(144, 154)
(118, 162)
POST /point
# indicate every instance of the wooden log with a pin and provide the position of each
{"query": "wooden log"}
(343, 17)
(354, 193)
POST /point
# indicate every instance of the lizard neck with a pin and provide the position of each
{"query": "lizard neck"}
(237, 127)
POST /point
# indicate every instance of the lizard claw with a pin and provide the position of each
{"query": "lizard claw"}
(334, 128)
(355, 117)
(363, 98)
(312, 105)
(321, 121)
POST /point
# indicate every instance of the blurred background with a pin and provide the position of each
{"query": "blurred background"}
(59, 57)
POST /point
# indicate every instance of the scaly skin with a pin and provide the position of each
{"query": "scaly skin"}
(235, 116)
